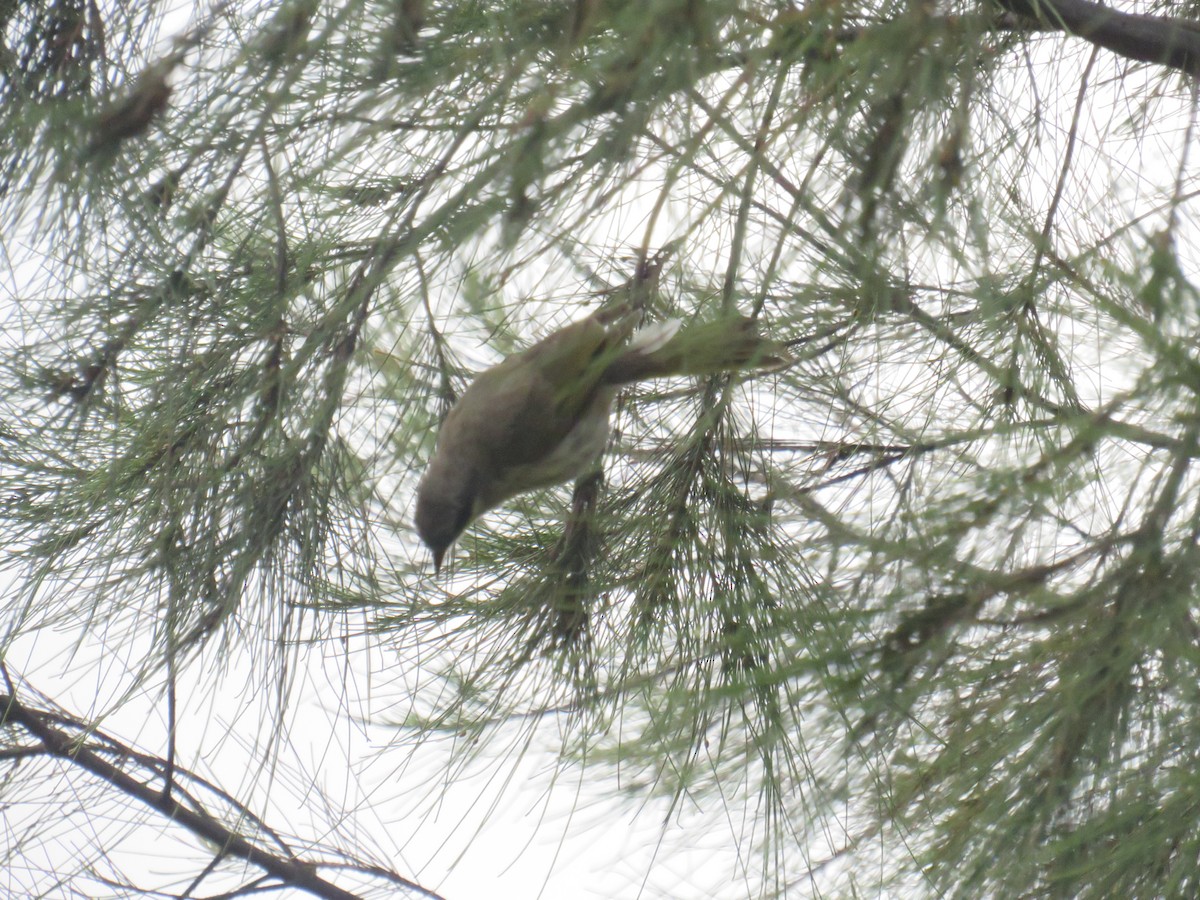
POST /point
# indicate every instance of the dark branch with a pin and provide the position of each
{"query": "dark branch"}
(70, 745)
(1163, 40)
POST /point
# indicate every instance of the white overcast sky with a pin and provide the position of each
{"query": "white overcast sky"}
(504, 828)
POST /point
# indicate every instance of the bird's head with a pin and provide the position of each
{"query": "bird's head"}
(446, 500)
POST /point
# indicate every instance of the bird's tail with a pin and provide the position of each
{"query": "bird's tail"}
(710, 348)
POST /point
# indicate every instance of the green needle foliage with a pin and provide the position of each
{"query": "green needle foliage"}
(916, 614)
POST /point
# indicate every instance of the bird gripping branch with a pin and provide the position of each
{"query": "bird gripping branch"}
(540, 417)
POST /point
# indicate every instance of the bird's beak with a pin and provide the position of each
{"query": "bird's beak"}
(437, 560)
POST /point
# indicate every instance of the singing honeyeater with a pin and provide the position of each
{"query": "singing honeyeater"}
(540, 417)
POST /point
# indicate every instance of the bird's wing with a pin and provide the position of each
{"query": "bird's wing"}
(556, 383)
(521, 410)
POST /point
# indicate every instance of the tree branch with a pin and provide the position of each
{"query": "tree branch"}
(1163, 40)
(87, 748)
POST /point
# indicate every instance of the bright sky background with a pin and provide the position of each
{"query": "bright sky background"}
(499, 829)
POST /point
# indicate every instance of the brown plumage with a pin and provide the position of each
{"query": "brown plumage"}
(540, 417)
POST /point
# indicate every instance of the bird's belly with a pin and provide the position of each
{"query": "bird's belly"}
(574, 455)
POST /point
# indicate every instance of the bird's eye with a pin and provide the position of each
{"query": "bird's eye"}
(462, 515)
(464, 509)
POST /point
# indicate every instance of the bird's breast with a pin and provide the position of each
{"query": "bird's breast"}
(572, 457)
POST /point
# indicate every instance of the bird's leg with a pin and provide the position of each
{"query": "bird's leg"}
(572, 559)
(629, 300)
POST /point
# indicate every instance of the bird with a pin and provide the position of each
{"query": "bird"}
(540, 416)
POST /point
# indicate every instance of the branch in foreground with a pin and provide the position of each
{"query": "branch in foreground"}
(86, 747)
(1163, 40)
